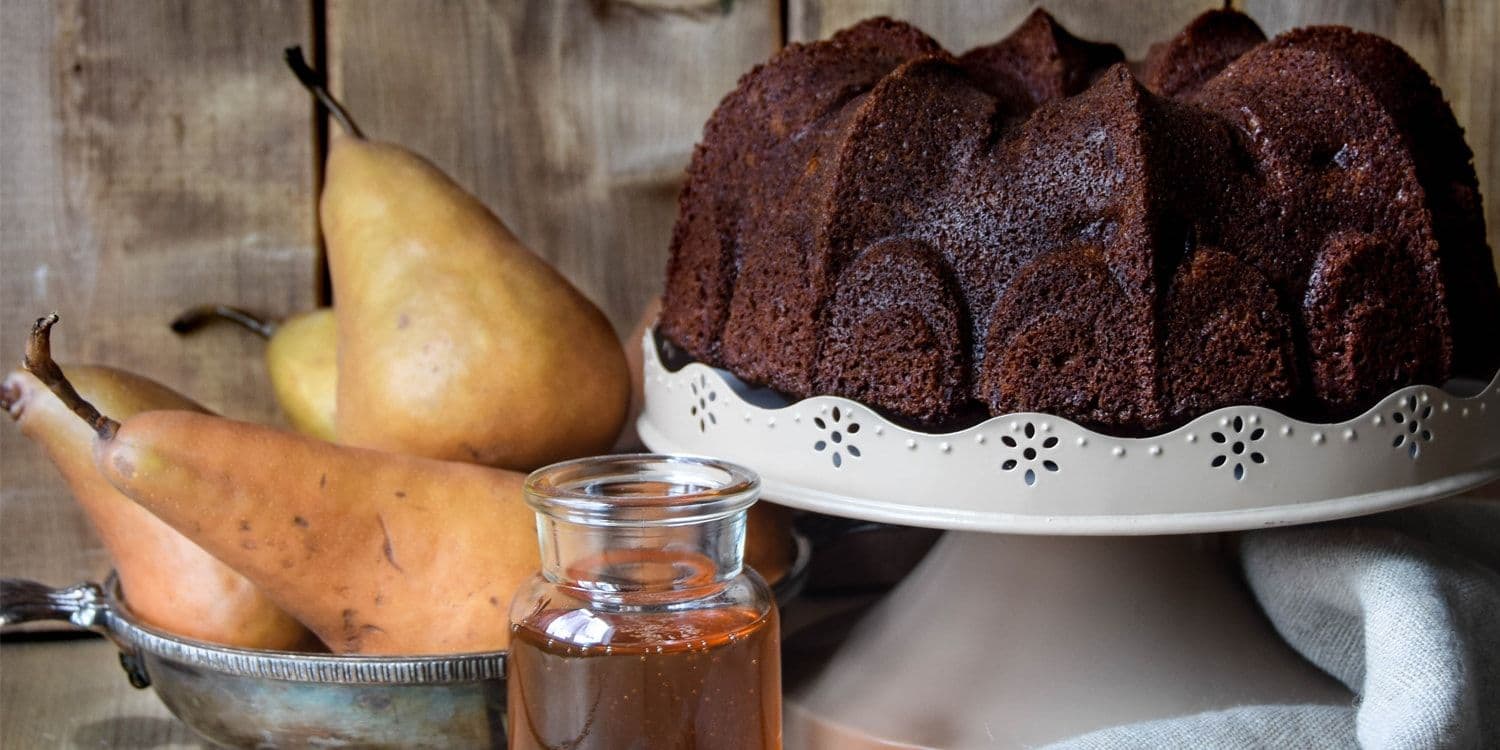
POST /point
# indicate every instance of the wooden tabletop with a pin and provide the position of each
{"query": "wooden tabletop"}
(71, 693)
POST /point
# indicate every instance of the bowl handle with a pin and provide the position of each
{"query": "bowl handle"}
(83, 605)
(22, 601)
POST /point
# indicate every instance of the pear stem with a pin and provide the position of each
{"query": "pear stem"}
(39, 362)
(194, 318)
(314, 83)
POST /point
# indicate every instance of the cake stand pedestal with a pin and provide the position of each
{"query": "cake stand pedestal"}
(1000, 641)
(1079, 587)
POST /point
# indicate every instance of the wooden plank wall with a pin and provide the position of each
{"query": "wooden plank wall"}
(155, 153)
(572, 120)
(151, 157)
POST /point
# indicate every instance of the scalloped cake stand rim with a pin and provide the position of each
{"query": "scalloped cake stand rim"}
(1343, 499)
(1331, 509)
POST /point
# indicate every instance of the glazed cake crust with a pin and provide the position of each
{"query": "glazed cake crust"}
(1033, 227)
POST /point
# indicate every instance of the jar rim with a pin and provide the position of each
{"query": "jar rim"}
(641, 489)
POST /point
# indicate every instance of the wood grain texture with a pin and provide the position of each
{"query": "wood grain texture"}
(1454, 40)
(73, 694)
(573, 121)
(155, 154)
(962, 24)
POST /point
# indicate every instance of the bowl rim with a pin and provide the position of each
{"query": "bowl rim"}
(113, 616)
(343, 669)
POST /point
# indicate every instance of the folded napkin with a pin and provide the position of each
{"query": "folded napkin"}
(1402, 607)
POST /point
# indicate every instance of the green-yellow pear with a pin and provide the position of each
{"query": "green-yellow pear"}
(168, 581)
(455, 341)
(301, 358)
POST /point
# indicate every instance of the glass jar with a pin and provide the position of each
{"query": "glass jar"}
(643, 628)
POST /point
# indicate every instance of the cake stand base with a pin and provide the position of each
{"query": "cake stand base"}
(1014, 641)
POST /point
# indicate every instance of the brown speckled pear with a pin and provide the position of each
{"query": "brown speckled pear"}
(456, 341)
(168, 581)
(377, 553)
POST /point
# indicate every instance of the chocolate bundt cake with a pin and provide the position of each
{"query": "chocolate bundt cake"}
(1034, 227)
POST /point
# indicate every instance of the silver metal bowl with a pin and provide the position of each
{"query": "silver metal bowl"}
(236, 697)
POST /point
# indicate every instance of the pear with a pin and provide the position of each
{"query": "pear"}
(168, 581)
(378, 553)
(301, 358)
(456, 342)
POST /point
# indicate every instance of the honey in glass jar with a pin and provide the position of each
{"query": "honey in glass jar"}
(643, 628)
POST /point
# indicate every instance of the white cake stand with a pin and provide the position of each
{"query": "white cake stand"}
(1043, 618)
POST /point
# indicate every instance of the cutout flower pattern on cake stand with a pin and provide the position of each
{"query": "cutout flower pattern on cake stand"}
(834, 442)
(1240, 446)
(703, 400)
(1030, 448)
(1411, 424)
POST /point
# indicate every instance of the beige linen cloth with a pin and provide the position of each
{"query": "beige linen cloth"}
(1402, 607)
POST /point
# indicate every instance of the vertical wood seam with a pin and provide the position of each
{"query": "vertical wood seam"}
(783, 10)
(323, 281)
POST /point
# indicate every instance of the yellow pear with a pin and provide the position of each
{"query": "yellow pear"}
(455, 341)
(301, 358)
